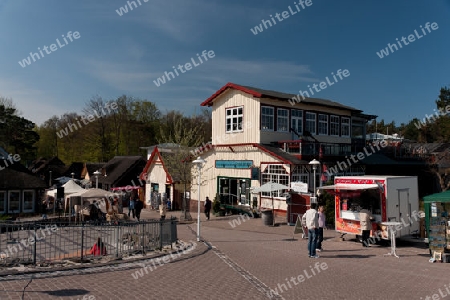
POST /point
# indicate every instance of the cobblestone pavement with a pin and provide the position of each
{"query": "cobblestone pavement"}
(250, 261)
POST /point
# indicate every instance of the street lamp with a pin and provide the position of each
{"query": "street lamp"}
(96, 173)
(199, 162)
(314, 163)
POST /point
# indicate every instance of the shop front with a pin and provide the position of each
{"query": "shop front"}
(234, 191)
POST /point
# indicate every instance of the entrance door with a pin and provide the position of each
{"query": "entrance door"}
(234, 191)
(404, 211)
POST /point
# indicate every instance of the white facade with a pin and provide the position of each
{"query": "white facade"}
(249, 127)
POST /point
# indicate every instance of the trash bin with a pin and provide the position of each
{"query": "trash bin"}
(267, 217)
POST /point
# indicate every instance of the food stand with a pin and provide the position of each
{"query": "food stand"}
(437, 226)
(388, 198)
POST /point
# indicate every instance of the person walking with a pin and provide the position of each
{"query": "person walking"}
(208, 205)
(131, 204)
(365, 221)
(312, 222)
(322, 225)
(138, 206)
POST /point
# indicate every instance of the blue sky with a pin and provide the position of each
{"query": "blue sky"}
(118, 55)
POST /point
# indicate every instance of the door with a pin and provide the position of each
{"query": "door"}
(296, 125)
(404, 211)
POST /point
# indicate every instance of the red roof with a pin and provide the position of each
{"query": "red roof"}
(208, 102)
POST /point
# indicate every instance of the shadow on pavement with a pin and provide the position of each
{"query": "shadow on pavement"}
(66, 292)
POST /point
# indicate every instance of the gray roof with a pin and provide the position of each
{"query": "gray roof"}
(314, 101)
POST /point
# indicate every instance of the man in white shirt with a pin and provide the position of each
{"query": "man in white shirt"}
(312, 223)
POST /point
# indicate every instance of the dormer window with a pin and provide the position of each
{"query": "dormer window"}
(234, 116)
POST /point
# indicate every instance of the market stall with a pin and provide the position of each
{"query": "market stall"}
(437, 225)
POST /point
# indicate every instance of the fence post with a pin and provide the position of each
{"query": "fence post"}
(82, 240)
(143, 240)
(35, 244)
(117, 239)
(160, 234)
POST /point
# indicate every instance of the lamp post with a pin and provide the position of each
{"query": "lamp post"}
(96, 173)
(314, 163)
(199, 162)
(50, 180)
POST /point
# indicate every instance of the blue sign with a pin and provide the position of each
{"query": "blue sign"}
(234, 164)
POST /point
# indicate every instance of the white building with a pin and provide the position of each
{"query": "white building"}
(258, 136)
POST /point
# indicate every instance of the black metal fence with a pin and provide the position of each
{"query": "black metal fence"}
(54, 241)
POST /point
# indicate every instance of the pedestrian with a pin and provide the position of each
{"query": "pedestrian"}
(98, 249)
(138, 206)
(131, 206)
(44, 209)
(312, 222)
(365, 221)
(162, 211)
(322, 225)
(208, 205)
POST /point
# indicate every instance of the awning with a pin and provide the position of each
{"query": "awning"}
(352, 187)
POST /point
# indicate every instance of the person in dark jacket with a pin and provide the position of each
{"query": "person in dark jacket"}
(208, 204)
(138, 206)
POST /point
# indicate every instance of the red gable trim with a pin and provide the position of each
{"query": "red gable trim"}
(155, 154)
(208, 102)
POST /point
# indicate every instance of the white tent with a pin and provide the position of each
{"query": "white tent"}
(70, 187)
(86, 197)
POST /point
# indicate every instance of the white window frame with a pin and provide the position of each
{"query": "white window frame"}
(274, 173)
(263, 115)
(345, 124)
(308, 120)
(322, 130)
(32, 201)
(9, 201)
(232, 117)
(3, 208)
(298, 118)
(334, 124)
(282, 117)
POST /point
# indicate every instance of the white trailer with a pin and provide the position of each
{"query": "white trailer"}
(389, 198)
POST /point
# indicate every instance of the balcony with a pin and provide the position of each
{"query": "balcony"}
(304, 148)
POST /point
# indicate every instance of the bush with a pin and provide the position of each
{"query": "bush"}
(216, 204)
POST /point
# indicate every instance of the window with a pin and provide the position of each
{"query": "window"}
(334, 125)
(323, 124)
(310, 122)
(345, 127)
(2, 202)
(14, 201)
(358, 129)
(277, 174)
(28, 201)
(282, 120)
(300, 173)
(297, 121)
(267, 118)
(234, 119)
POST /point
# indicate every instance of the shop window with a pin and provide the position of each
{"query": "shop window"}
(277, 174)
(13, 201)
(2, 202)
(28, 201)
